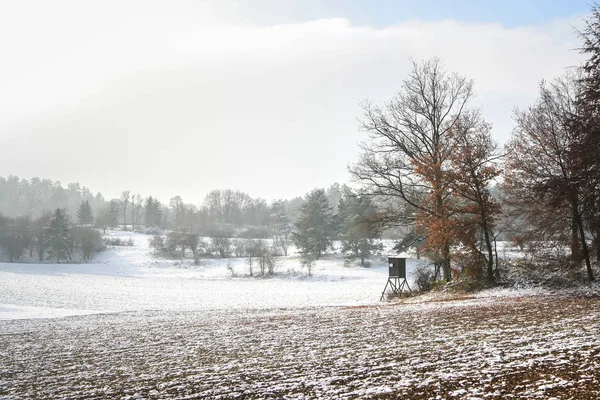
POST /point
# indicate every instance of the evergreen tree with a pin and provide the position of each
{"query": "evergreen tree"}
(60, 242)
(153, 212)
(113, 214)
(278, 216)
(315, 227)
(358, 233)
(85, 215)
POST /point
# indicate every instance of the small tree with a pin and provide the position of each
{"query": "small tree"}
(221, 246)
(158, 244)
(195, 244)
(87, 240)
(60, 241)
(85, 215)
(15, 237)
(315, 227)
(357, 230)
(39, 233)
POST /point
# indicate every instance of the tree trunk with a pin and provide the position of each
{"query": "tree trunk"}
(584, 246)
(490, 250)
(598, 244)
(446, 263)
(576, 255)
(497, 270)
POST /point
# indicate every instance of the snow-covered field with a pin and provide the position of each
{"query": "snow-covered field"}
(130, 279)
(128, 326)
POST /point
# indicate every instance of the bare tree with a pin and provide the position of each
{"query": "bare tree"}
(540, 173)
(137, 203)
(410, 144)
(125, 197)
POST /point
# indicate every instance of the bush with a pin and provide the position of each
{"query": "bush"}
(221, 246)
(88, 240)
(239, 247)
(158, 244)
(117, 241)
(255, 232)
(153, 230)
(425, 278)
(260, 254)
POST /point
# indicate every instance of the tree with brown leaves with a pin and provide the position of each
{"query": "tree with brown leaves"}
(410, 148)
(474, 168)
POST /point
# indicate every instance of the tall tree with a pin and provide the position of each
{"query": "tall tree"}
(474, 168)
(409, 148)
(153, 212)
(85, 215)
(585, 124)
(125, 198)
(540, 171)
(60, 242)
(314, 229)
(136, 206)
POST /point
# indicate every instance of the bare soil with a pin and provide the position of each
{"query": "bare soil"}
(529, 347)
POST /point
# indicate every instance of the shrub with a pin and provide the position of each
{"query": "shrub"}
(424, 278)
(221, 246)
(254, 232)
(117, 241)
(88, 240)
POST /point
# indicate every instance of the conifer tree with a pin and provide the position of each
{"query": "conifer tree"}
(113, 214)
(60, 242)
(315, 227)
(85, 215)
(153, 212)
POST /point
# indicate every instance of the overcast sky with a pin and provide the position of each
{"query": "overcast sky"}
(182, 97)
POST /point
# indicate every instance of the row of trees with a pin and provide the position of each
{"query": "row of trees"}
(222, 213)
(431, 161)
(51, 236)
(259, 253)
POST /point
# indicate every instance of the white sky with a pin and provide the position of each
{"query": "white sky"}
(182, 97)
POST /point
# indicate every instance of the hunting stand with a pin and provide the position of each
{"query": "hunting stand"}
(397, 276)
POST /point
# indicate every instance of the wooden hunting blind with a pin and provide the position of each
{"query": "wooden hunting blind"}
(396, 276)
(397, 267)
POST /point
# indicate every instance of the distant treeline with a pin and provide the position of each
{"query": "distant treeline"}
(312, 223)
(222, 212)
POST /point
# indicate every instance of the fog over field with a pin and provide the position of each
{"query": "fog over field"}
(299, 199)
(182, 99)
